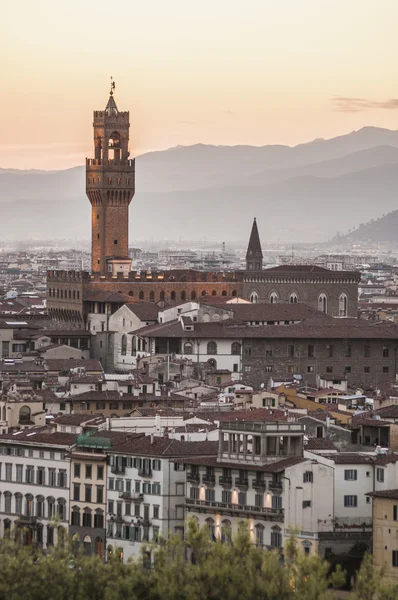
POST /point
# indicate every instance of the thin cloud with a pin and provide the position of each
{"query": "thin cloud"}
(344, 104)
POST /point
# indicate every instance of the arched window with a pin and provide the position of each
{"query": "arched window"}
(141, 295)
(7, 502)
(172, 295)
(29, 505)
(223, 293)
(211, 528)
(226, 531)
(18, 503)
(259, 535)
(254, 297)
(152, 296)
(87, 517)
(274, 298)
(211, 348)
(133, 345)
(193, 295)
(131, 293)
(40, 506)
(204, 293)
(323, 303)
(234, 294)
(124, 345)
(188, 348)
(162, 296)
(183, 295)
(206, 318)
(214, 293)
(62, 509)
(24, 415)
(293, 298)
(235, 348)
(343, 301)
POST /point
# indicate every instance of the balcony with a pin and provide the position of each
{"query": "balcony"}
(193, 477)
(118, 469)
(27, 520)
(241, 481)
(273, 514)
(258, 484)
(133, 496)
(225, 480)
(275, 485)
(209, 478)
(145, 472)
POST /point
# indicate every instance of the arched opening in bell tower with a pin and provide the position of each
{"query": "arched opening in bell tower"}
(114, 146)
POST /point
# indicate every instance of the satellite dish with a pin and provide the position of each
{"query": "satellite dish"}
(262, 385)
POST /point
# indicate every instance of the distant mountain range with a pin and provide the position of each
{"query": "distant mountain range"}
(307, 193)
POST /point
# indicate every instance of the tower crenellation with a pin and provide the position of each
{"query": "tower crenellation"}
(110, 187)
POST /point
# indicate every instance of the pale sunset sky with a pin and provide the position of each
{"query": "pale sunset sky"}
(215, 71)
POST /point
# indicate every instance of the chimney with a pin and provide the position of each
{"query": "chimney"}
(151, 438)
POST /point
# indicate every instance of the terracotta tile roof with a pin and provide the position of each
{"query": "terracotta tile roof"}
(308, 329)
(319, 444)
(257, 414)
(163, 446)
(79, 419)
(386, 459)
(42, 435)
(272, 467)
(73, 333)
(349, 458)
(391, 494)
(388, 412)
(65, 364)
(145, 311)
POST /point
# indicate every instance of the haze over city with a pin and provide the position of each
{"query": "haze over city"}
(210, 72)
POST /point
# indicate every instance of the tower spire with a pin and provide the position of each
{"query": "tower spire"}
(254, 254)
(111, 108)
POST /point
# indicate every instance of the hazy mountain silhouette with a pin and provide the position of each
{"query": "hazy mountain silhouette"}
(304, 193)
(383, 229)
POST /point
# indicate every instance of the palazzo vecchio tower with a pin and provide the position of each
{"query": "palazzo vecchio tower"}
(110, 187)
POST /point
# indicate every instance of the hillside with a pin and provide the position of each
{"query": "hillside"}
(383, 229)
(304, 193)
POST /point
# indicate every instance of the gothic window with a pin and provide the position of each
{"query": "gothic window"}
(323, 303)
(141, 295)
(254, 297)
(214, 293)
(124, 345)
(343, 305)
(204, 293)
(193, 295)
(223, 293)
(183, 295)
(152, 296)
(293, 298)
(274, 298)
(172, 295)
(211, 348)
(162, 296)
(234, 294)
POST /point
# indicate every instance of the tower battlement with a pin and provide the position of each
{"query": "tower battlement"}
(120, 116)
(110, 185)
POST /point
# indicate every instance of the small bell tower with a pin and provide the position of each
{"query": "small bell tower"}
(254, 254)
(110, 187)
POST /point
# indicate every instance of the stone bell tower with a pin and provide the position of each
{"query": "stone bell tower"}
(110, 187)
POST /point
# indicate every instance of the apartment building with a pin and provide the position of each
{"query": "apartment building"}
(260, 475)
(34, 475)
(146, 491)
(385, 532)
(88, 476)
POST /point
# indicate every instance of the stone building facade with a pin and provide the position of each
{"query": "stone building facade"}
(110, 187)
